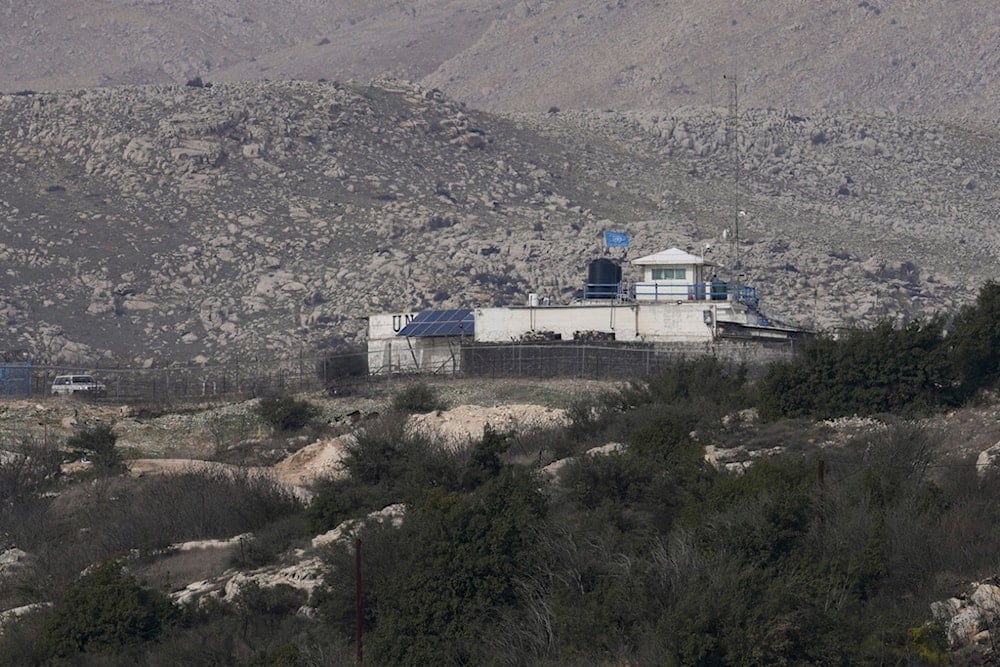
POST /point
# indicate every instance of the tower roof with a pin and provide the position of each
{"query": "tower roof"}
(672, 257)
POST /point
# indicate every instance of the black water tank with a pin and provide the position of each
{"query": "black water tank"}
(604, 278)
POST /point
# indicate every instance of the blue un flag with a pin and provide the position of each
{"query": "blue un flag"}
(616, 239)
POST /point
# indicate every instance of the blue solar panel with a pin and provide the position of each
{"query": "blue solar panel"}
(459, 322)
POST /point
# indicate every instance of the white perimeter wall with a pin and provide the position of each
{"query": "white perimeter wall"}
(496, 325)
(671, 322)
(676, 322)
(658, 322)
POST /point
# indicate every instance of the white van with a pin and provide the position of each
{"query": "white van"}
(67, 385)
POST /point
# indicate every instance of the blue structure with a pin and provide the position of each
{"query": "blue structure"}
(15, 379)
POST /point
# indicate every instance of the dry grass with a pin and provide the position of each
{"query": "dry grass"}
(179, 568)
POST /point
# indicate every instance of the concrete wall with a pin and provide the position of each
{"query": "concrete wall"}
(387, 325)
(439, 355)
(501, 325)
(389, 353)
(675, 322)
(654, 322)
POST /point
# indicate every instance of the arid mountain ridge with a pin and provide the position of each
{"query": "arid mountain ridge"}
(914, 57)
(166, 223)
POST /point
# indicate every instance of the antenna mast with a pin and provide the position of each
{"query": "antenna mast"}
(733, 138)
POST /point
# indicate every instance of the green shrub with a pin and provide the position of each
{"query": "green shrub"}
(703, 380)
(457, 562)
(103, 611)
(590, 416)
(974, 344)
(337, 500)
(387, 453)
(285, 413)
(380, 451)
(269, 541)
(880, 370)
(593, 480)
(26, 468)
(279, 600)
(417, 398)
(538, 445)
(99, 444)
(121, 514)
(484, 462)
(385, 464)
(227, 429)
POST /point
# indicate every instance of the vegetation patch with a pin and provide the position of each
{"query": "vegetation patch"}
(417, 398)
(286, 413)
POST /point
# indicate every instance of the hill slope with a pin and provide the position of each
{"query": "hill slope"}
(911, 57)
(179, 223)
(915, 57)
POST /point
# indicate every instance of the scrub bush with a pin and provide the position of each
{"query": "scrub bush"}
(417, 398)
(285, 413)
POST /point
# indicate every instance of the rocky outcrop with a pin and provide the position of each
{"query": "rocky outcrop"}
(11, 560)
(554, 470)
(303, 569)
(970, 621)
(988, 459)
(393, 514)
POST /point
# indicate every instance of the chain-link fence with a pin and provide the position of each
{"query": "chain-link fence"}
(15, 379)
(611, 361)
(345, 373)
(238, 378)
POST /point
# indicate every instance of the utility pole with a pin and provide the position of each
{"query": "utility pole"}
(733, 139)
(359, 610)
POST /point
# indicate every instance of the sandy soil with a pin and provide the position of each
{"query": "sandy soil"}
(466, 422)
(189, 437)
(320, 459)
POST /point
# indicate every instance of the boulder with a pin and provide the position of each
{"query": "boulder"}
(987, 459)
(347, 529)
(11, 560)
(967, 620)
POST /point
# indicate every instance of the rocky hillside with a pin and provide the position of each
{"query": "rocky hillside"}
(50, 45)
(177, 223)
(914, 57)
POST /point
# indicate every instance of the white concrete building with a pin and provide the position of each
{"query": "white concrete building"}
(673, 275)
(678, 300)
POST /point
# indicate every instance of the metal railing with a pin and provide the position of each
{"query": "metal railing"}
(608, 291)
(716, 290)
